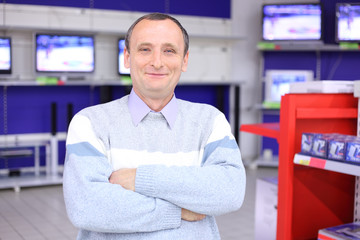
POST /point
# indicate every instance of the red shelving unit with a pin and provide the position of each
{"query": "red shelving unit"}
(271, 130)
(310, 199)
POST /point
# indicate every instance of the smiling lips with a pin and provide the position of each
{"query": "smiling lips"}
(156, 74)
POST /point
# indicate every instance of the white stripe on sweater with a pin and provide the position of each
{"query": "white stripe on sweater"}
(125, 158)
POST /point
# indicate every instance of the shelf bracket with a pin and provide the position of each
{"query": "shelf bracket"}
(357, 181)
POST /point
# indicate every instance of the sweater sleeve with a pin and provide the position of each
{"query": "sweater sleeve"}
(93, 203)
(214, 188)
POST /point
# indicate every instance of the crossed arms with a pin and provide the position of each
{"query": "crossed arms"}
(126, 178)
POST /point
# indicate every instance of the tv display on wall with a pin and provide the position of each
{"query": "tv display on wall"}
(122, 70)
(292, 22)
(64, 53)
(347, 22)
(5, 55)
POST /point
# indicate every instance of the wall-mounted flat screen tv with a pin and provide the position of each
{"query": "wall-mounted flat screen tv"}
(5, 55)
(64, 53)
(347, 22)
(122, 70)
(292, 22)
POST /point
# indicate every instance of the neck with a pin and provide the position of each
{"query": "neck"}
(155, 104)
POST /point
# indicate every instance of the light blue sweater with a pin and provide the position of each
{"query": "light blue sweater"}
(195, 165)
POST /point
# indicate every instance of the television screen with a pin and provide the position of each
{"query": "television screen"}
(122, 70)
(5, 55)
(292, 22)
(64, 53)
(277, 83)
(348, 22)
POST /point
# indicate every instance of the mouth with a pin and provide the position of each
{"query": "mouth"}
(156, 75)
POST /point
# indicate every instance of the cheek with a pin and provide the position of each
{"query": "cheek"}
(139, 63)
(176, 65)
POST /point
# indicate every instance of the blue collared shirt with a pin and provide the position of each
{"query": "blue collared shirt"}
(138, 109)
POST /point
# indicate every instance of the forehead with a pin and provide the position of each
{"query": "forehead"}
(156, 31)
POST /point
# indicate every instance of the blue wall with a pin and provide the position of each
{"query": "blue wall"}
(29, 111)
(205, 8)
(29, 107)
(335, 65)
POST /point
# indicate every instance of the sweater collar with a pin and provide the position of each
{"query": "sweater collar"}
(138, 109)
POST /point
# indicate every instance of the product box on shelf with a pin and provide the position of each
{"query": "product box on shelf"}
(338, 145)
(333, 146)
(349, 231)
(337, 148)
(320, 145)
(353, 152)
(311, 143)
(306, 143)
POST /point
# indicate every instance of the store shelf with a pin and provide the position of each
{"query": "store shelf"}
(271, 130)
(29, 180)
(298, 46)
(50, 176)
(331, 165)
(18, 139)
(321, 113)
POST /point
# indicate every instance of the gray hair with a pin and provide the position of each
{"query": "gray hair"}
(157, 17)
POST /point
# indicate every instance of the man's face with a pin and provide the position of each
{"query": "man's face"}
(157, 58)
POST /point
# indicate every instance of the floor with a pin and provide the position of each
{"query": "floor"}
(39, 213)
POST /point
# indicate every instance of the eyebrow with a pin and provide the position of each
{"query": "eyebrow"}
(162, 45)
(144, 44)
(170, 45)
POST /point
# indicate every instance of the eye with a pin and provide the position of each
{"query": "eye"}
(169, 51)
(144, 49)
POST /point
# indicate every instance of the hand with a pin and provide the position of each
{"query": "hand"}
(190, 216)
(124, 177)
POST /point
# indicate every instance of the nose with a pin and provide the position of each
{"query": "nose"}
(156, 60)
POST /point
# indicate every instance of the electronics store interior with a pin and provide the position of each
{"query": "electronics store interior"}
(285, 74)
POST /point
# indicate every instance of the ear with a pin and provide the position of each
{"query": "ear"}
(185, 62)
(126, 58)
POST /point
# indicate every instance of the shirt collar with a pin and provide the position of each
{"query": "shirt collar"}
(138, 109)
